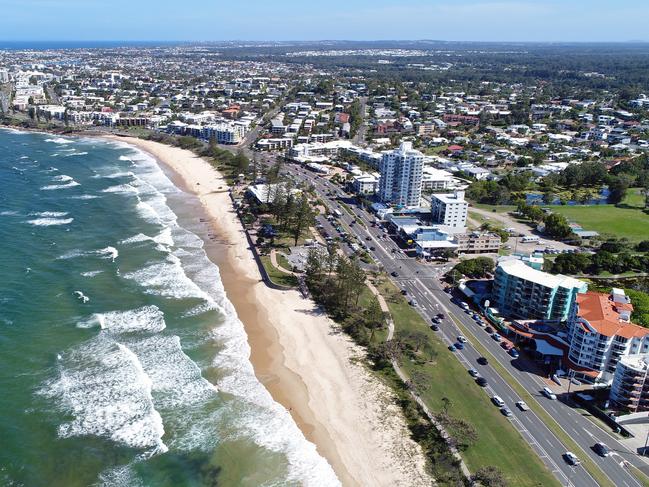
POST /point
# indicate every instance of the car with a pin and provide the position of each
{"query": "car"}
(481, 381)
(368, 237)
(473, 373)
(467, 311)
(498, 401)
(571, 458)
(482, 361)
(448, 290)
(441, 316)
(413, 302)
(489, 330)
(476, 316)
(461, 339)
(547, 392)
(394, 274)
(480, 323)
(505, 345)
(601, 449)
(496, 337)
(393, 251)
(372, 248)
(514, 353)
(435, 327)
(451, 348)
(506, 412)
(404, 292)
(459, 346)
(522, 405)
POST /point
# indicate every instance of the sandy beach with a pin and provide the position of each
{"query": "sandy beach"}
(297, 353)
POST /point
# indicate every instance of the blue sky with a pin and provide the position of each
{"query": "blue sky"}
(205, 20)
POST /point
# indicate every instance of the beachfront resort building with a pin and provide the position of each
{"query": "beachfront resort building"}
(449, 209)
(600, 333)
(522, 292)
(401, 176)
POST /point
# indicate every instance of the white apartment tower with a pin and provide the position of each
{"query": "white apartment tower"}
(401, 176)
(449, 209)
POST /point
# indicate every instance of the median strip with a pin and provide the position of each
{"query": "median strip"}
(591, 467)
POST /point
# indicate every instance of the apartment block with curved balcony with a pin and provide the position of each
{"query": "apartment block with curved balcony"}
(601, 334)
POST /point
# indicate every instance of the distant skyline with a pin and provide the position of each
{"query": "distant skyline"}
(282, 20)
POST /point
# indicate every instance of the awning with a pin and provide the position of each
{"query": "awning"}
(544, 348)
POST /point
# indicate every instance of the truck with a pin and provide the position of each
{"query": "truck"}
(337, 213)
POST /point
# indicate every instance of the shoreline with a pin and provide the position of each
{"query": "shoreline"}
(297, 353)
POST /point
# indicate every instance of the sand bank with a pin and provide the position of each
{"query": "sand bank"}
(298, 354)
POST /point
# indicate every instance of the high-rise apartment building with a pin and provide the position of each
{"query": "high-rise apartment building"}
(401, 176)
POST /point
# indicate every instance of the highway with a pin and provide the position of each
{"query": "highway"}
(422, 283)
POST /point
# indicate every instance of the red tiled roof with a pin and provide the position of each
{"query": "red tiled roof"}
(603, 314)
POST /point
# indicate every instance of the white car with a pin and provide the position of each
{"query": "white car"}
(498, 401)
(547, 392)
(462, 339)
(522, 405)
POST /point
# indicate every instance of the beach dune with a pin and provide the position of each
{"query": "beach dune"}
(298, 353)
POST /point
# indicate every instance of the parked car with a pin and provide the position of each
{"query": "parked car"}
(482, 361)
(498, 401)
(413, 302)
(473, 373)
(522, 405)
(547, 392)
(394, 274)
(571, 458)
(481, 381)
(462, 339)
(496, 337)
(441, 316)
(451, 348)
(507, 412)
(459, 346)
(514, 353)
(434, 327)
(601, 449)
(489, 330)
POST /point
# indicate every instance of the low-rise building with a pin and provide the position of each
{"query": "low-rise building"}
(477, 242)
(365, 183)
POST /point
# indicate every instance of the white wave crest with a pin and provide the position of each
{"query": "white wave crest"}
(64, 178)
(81, 297)
(109, 253)
(84, 197)
(91, 273)
(49, 214)
(48, 222)
(103, 386)
(59, 140)
(76, 154)
(52, 187)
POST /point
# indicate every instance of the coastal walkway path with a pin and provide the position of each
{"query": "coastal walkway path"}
(277, 265)
(406, 380)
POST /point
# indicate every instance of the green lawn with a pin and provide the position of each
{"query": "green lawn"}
(499, 444)
(628, 220)
(277, 276)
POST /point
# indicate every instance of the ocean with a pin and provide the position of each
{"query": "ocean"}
(122, 363)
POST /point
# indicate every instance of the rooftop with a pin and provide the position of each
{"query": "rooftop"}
(608, 317)
(520, 270)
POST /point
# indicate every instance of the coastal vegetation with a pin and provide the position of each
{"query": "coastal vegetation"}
(493, 451)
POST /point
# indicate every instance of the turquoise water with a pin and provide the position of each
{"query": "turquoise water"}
(121, 360)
